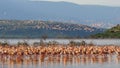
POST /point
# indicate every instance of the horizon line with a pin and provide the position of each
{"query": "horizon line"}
(76, 3)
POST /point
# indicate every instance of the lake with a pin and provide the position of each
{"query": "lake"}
(65, 41)
(63, 61)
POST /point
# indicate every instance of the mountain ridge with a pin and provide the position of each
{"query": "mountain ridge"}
(59, 11)
(38, 29)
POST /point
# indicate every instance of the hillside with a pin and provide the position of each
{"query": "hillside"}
(50, 29)
(93, 15)
(114, 32)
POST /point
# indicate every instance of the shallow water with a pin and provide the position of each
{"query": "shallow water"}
(63, 62)
(65, 41)
(82, 61)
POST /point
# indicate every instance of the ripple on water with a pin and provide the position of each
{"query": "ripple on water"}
(84, 61)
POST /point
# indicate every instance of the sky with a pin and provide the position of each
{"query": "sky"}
(91, 2)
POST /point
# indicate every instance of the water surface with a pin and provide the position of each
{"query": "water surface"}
(65, 41)
(63, 62)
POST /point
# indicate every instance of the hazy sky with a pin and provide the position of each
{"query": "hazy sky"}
(93, 2)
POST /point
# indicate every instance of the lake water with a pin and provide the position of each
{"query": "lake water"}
(65, 41)
(63, 61)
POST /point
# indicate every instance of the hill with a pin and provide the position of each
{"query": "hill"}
(93, 15)
(114, 32)
(39, 29)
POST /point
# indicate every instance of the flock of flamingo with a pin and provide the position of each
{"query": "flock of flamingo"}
(40, 52)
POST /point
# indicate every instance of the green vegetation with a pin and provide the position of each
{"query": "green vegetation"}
(114, 32)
